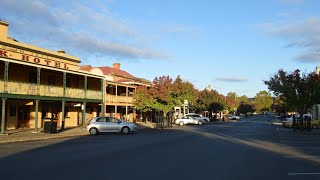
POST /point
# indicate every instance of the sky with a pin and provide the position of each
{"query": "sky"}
(233, 46)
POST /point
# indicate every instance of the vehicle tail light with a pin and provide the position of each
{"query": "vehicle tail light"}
(88, 123)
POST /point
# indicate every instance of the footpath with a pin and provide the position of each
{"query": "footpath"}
(29, 134)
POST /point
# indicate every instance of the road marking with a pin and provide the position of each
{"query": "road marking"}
(300, 147)
(296, 174)
(306, 156)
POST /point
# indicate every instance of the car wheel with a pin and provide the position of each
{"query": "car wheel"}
(181, 123)
(125, 130)
(93, 131)
(314, 126)
(200, 122)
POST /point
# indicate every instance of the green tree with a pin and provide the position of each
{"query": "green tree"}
(143, 99)
(245, 108)
(279, 106)
(263, 101)
(216, 107)
(298, 91)
(243, 99)
(184, 91)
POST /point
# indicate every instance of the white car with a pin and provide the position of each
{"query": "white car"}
(234, 117)
(188, 120)
(197, 116)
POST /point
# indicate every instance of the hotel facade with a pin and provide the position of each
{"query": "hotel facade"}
(38, 84)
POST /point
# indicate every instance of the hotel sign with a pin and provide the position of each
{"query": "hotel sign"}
(36, 58)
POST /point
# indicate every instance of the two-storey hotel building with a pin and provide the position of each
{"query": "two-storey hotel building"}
(38, 84)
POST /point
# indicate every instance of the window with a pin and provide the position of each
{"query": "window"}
(114, 120)
(102, 119)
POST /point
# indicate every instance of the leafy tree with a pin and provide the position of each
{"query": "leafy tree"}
(298, 91)
(208, 97)
(143, 99)
(263, 101)
(162, 91)
(245, 108)
(243, 99)
(279, 106)
(233, 100)
(216, 107)
(184, 91)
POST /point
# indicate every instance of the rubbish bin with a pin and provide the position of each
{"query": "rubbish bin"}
(50, 126)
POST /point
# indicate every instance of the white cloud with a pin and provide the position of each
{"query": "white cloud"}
(75, 27)
(303, 34)
(232, 79)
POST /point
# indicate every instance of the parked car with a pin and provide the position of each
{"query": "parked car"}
(290, 117)
(234, 117)
(206, 119)
(289, 122)
(109, 124)
(188, 120)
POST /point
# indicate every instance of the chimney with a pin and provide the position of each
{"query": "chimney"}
(3, 30)
(116, 66)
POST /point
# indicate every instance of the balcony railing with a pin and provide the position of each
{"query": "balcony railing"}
(118, 99)
(91, 94)
(74, 93)
(23, 88)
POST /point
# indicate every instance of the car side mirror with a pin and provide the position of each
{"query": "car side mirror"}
(119, 122)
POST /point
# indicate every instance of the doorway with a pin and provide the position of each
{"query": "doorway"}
(23, 117)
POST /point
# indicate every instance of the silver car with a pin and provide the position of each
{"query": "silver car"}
(109, 124)
(189, 120)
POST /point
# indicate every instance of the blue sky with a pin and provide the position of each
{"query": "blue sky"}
(230, 45)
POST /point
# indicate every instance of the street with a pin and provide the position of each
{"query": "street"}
(250, 148)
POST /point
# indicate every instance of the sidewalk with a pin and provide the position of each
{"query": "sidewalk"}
(23, 135)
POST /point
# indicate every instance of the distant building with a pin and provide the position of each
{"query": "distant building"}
(120, 89)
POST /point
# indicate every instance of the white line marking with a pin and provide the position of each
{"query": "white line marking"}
(301, 156)
(300, 147)
(295, 174)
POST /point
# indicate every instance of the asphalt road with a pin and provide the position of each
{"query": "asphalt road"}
(251, 148)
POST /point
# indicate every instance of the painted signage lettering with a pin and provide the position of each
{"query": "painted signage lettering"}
(3, 53)
(25, 58)
(33, 58)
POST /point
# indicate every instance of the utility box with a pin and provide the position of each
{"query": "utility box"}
(50, 126)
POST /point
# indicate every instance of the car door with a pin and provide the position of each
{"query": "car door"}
(115, 124)
(101, 124)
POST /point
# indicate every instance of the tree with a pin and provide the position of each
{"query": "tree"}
(206, 98)
(263, 101)
(143, 99)
(216, 107)
(279, 106)
(243, 99)
(298, 92)
(162, 91)
(245, 108)
(184, 91)
(233, 98)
